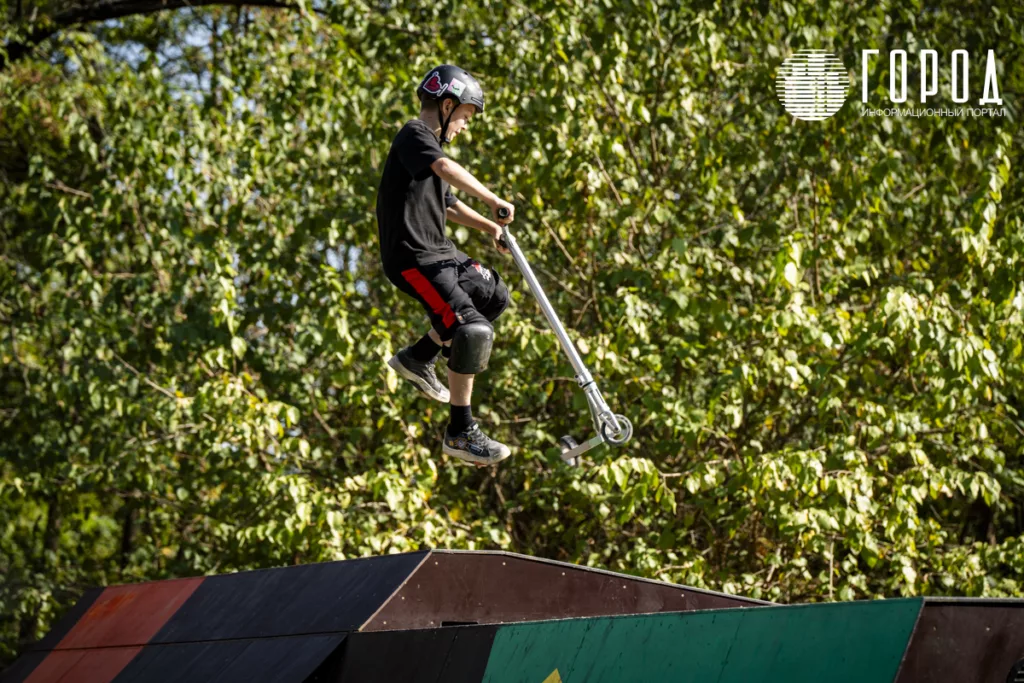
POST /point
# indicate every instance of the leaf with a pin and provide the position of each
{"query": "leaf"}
(620, 474)
(792, 274)
(909, 574)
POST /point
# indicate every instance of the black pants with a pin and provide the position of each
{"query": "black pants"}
(454, 292)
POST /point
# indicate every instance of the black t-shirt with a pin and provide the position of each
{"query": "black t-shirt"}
(412, 200)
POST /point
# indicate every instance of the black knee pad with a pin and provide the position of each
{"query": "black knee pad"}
(471, 347)
(499, 300)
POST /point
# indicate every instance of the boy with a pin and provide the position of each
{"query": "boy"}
(461, 297)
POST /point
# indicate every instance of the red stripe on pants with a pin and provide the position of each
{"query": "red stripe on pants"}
(430, 295)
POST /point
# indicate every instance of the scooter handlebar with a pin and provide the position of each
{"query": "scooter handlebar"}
(503, 213)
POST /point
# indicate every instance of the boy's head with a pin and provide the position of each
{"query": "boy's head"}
(456, 116)
(453, 96)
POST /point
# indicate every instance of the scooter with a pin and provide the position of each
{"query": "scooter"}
(614, 428)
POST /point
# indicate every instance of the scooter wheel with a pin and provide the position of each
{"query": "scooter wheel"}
(567, 443)
(620, 437)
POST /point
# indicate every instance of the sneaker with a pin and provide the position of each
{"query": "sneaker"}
(420, 374)
(472, 445)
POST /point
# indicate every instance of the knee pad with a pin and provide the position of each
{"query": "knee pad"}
(471, 347)
(498, 302)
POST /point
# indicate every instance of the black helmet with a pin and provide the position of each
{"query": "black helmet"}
(447, 81)
(451, 81)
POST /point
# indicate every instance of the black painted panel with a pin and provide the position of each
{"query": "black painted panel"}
(318, 598)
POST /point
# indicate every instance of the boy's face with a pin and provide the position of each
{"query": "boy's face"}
(460, 119)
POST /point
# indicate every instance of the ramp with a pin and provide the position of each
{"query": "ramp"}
(468, 617)
(289, 624)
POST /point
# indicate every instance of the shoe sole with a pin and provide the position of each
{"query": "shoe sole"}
(418, 381)
(480, 461)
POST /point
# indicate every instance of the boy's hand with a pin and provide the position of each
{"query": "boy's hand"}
(502, 204)
(497, 232)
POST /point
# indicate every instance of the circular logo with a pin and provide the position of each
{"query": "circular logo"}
(812, 84)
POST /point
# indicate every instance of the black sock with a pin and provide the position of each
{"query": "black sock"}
(461, 419)
(424, 350)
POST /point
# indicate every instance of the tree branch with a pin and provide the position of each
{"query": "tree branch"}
(114, 9)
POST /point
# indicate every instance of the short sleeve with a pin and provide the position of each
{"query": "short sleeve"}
(419, 149)
(450, 200)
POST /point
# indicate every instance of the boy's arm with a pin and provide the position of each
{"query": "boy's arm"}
(463, 214)
(459, 177)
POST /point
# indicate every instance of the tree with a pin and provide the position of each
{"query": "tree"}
(814, 326)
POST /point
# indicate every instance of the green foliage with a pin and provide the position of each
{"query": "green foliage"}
(816, 327)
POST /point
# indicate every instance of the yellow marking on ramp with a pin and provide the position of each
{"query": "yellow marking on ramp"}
(553, 678)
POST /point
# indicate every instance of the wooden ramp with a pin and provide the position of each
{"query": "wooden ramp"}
(290, 624)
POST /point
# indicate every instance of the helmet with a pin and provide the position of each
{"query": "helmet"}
(451, 81)
(447, 81)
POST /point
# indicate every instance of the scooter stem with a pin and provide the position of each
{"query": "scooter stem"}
(583, 375)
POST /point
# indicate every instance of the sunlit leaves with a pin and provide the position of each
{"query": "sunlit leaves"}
(816, 330)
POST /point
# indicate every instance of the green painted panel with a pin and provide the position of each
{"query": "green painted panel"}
(852, 642)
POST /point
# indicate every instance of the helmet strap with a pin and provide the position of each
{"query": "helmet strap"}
(445, 122)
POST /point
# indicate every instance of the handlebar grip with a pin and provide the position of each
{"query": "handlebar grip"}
(503, 213)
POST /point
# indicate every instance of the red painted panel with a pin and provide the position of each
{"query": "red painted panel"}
(83, 666)
(495, 588)
(129, 615)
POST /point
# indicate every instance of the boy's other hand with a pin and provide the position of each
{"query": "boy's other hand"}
(502, 204)
(496, 233)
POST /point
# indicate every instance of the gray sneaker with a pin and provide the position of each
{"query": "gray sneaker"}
(472, 445)
(420, 374)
